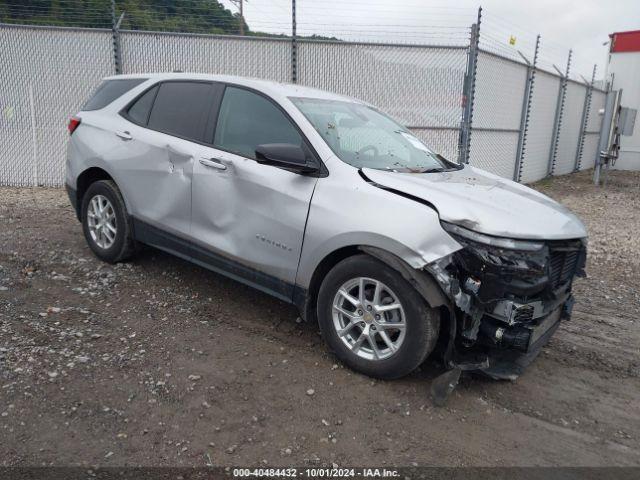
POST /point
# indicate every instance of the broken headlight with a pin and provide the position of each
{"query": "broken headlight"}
(467, 235)
(500, 264)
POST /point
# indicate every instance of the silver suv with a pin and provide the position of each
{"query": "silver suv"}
(325, 202)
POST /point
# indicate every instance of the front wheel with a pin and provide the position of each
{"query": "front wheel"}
(374, 320)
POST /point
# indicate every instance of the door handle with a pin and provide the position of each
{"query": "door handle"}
(124, 135)
(213, 163)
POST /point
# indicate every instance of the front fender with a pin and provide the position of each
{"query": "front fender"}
(347, 211)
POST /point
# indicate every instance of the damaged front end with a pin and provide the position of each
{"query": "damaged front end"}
(508, 297)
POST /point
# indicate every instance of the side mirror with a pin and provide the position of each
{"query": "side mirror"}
(284, 155)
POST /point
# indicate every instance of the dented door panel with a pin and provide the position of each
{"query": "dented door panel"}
(251, 213)
(155, 173)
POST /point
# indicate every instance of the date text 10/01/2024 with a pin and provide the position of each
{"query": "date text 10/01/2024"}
(316, 472)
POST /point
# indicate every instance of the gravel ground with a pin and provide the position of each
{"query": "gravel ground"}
(159, 362)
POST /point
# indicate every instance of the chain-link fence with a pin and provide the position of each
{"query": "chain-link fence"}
(419, 86)
(529, 123)
(146, 52)
(535, 162)
(523, 123)
(45, 76)
(497, 109)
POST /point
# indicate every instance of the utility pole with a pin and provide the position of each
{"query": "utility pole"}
(240, 5)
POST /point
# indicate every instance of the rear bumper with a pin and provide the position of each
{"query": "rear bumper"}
(73, 199)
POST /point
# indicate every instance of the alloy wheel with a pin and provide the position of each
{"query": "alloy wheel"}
(101, 219)
(369, 318)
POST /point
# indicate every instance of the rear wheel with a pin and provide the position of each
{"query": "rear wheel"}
(374, 320)
(105, 222)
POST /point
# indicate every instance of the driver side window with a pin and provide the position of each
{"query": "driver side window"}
(247, 120)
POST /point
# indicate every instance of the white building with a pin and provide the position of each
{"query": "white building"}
(624, 69)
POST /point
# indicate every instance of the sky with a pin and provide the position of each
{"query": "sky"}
(582, 25)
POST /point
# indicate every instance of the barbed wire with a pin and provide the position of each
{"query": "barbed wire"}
(445, 23)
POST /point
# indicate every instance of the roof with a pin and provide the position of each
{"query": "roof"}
(628, 41)
(269, 87)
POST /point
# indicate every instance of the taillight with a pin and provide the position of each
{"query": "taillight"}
(73, 124)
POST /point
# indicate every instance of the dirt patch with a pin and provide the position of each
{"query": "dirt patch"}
(159, 362)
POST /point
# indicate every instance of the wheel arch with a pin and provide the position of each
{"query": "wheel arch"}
(421, 280)
(84, 181)
(324, 266)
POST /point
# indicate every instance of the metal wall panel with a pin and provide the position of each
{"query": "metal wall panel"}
(540, 133)
(57, 68)
(570, 128)
(166, 52)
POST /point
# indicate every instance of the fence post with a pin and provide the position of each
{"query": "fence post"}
(468, 93)
(586, 109)
(526, 112)
(34, 136)
(115, 32)
(294, 44)
(557, 123)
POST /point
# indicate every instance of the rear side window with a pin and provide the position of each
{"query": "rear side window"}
(140, 110)
(181, 109)
(109, 91)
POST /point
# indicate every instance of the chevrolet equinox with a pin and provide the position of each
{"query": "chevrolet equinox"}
(325, 202)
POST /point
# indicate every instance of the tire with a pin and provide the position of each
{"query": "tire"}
(122, 246)
(422, 323)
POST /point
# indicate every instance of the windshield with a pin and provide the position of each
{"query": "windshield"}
(364, 137)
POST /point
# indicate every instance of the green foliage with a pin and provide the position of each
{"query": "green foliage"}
(195, 16)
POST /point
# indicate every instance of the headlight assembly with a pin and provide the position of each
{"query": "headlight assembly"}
(500, 242)
(507, 254)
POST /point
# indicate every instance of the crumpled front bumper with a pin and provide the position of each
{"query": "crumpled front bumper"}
(509, 364)
(499, 321)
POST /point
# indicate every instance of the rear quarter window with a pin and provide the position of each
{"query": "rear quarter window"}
(109, 90)
(141, 108)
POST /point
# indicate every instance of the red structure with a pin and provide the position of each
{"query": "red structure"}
(625, 41)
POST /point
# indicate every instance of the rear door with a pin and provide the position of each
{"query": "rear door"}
(163, 135)
(249, 219)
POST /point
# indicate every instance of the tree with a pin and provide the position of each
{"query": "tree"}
(195, 16)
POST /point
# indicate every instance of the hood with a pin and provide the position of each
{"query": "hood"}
(486, 203)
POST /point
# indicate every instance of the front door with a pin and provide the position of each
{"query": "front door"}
(249, 219)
